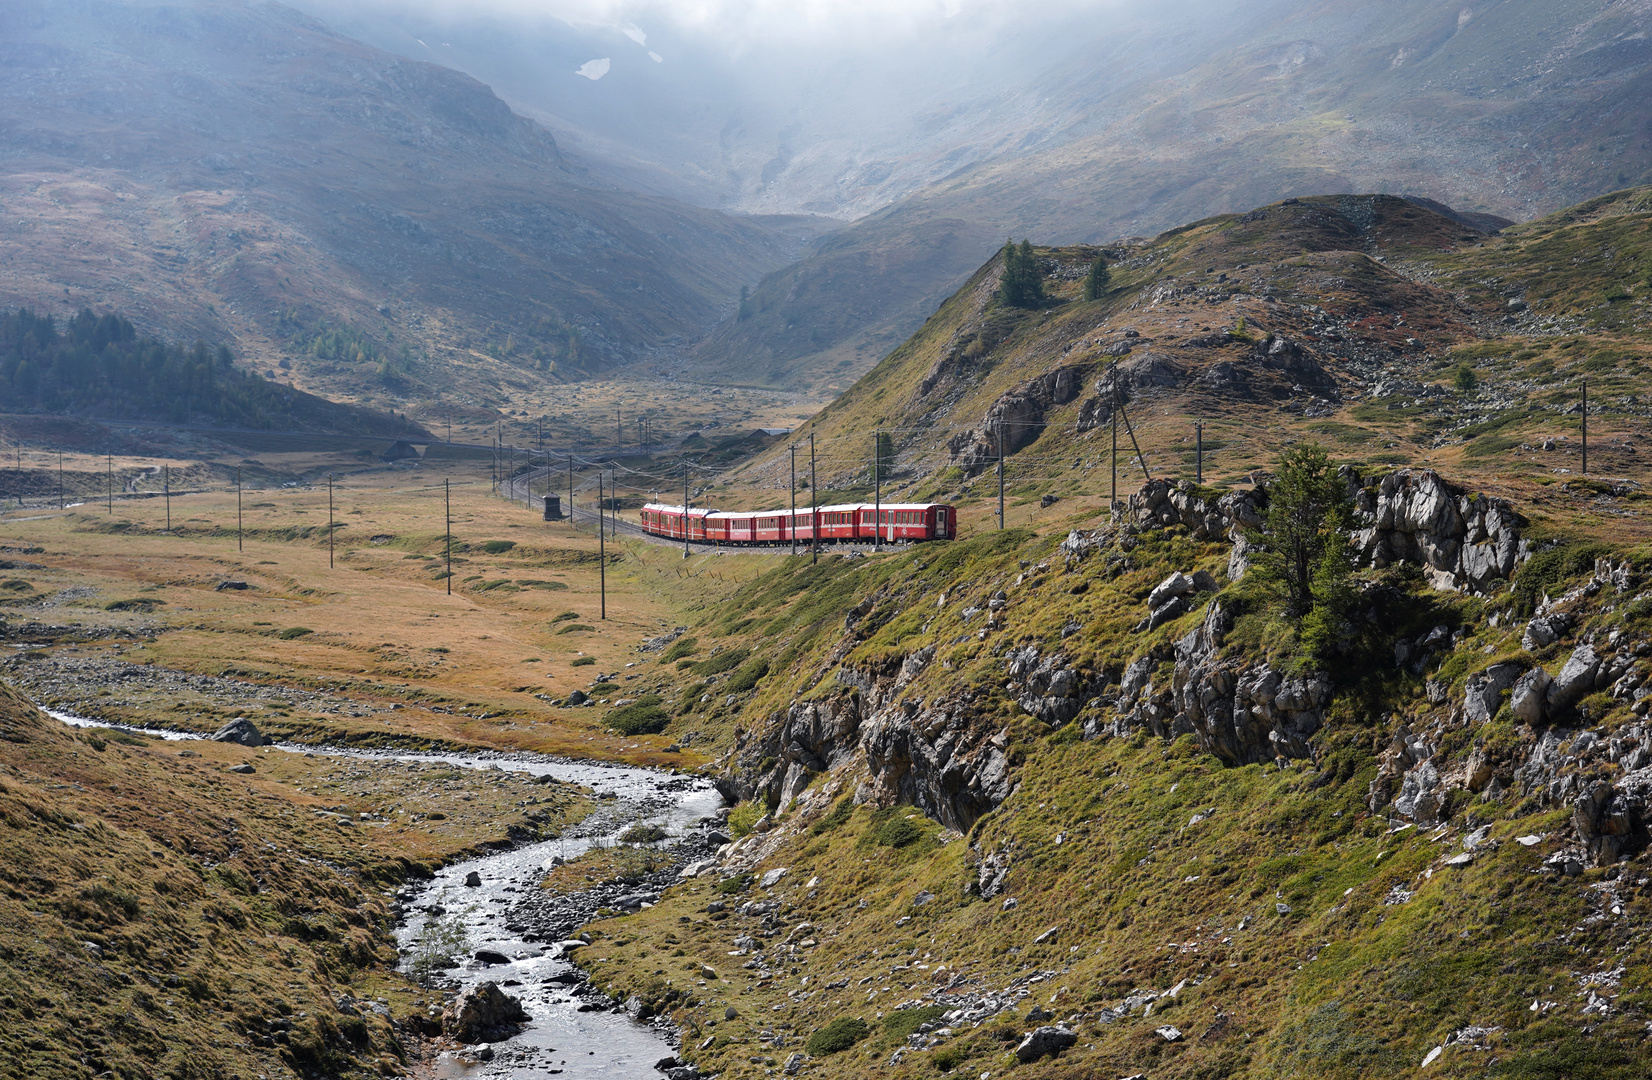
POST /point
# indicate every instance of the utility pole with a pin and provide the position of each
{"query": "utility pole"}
(570, 489)
(60, 469)
(329, 520)
(1000, 473)
(1113, 383)
(602, 550)
(1198, 452)
(238, 518)
(792, 524)
(685, 508)
(1585, 427)
(110, 465)
(619, 430)
(166, 486)
(877, 494)
(814, 505)
(447, 533)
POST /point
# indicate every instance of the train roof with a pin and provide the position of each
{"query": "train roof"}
(665, 508)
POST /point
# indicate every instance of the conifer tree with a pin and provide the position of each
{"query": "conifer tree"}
(1021, 285)
(1097, 280)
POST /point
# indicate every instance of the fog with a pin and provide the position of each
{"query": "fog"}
(834, 107)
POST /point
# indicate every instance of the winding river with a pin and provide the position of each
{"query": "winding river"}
(560, 1040)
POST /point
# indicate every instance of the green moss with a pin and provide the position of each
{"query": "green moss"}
(837, 1036)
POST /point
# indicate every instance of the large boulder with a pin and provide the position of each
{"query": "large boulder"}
(1529, 697)
(484, 1013)
(1609, 823)
(1575, 680)
(1043, 1042)
(240, 730)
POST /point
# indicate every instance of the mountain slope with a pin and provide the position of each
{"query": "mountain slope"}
(236, 171)
(1515, 109)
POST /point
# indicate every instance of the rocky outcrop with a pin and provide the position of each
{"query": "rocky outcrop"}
(1143, 372)
(947, 758)
(1241, 713)
(1019, 415)
(484, 1013)
(1048, 687)
(1462, 541)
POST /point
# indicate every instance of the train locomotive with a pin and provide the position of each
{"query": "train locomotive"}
(844, 523)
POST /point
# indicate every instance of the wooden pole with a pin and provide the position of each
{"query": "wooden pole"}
(238, 517)
(166, 486)
(814, 504)
(1000, 472)
(877, 495)
(329, 520)
(447, 532)
(1585, 427)
(791, 526)
(602, 550)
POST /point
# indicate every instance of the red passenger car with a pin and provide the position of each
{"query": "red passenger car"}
(838, 524)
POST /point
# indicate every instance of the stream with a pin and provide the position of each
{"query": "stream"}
(560, 1040)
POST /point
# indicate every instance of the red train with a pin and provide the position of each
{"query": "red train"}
(844, 523)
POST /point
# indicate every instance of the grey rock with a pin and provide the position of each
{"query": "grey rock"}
(1575, 680)
(1545, 630)
(231, 586)
(578, 697)
(490, 958)
(1169, 1033)
(1177, 584)
(484, 1013)
(245, 769)
(793, 1064)
(1484, 691)
(473, 880)
(240, 730)
(638, 1009)
(1044, 1042)
(1530, 694)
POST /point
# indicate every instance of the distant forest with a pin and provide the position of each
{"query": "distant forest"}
(97, 366)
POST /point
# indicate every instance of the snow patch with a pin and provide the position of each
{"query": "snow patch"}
(656, 57)
(595, 69)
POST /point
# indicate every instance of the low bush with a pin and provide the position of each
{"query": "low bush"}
(642, 717)
(497, 547)
(748, 676)
(680, 648)
(292, 632)
(837, 1036)
(717, 663)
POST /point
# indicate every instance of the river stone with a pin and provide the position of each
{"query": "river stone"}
(473, 880)
(484, 1013)
(1042, 1042)
(244, 769)
(240, 730)
(489, 957)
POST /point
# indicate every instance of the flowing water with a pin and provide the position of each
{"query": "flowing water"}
(560, 1040)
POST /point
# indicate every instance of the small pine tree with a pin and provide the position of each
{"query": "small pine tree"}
(1021, 284)
(1097, 280)
(1464, 379)
(1306, 534)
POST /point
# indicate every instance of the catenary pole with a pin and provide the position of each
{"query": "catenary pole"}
(814, 504)
(166, 486)
(877, 494)
(1585, 427)
(447, 532)
(602, 550)
(329, 519)
(1000, 472)
(792, 522)
(239, 520)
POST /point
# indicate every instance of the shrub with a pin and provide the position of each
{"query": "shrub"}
(897, 832)
(577, 628)
(904, 1022)
(743, 818)
(837, 1036)
(748, 677)
(838, 817)
(1546, 570)
(680, 648)
(1464, 379)
(497, 547)
(145, 605)
(582, 661)
(739, 883)
(717, 663)
(564, 617)
(292, 632)
(642, 717)
(643, 834)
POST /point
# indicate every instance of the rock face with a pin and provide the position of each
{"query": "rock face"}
(240, 730)
(484, 1013)
(1413, 515)
(945, 757)
(1241, 713)
(1020, 416)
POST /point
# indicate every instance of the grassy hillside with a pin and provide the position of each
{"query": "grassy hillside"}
(983, 788)
(1379, 304)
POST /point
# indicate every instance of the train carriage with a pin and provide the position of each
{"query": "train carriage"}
(838, 524)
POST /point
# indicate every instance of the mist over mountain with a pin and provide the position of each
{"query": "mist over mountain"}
(940, 129)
